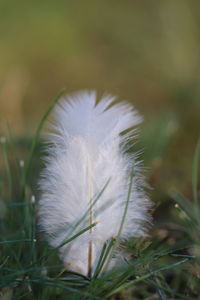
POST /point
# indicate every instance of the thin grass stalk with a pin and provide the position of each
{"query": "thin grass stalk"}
(34, 143)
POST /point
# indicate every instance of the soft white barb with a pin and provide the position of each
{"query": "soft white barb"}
(85, 152)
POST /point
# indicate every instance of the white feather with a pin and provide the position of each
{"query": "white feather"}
(85, 153)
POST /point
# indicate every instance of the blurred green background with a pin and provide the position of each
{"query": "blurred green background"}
(145, 51)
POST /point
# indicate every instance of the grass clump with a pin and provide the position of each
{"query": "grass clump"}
(29, 269)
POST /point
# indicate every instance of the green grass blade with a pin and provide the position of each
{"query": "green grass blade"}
(144, 277)
(35, 141)
(100, 260)
(7, 167)
(92, 205)
(76, 235)
(195, 169)
(104, 254)
(116, 244)
(66, 241)
(15, 241)
(185, 204)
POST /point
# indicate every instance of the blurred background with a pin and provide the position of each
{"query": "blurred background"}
(147, 52)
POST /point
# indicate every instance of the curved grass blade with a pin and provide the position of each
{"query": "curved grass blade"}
(34, 143)
(45, 257)
(195, 169)
(7, 166)
(117, 241)
(145, 276)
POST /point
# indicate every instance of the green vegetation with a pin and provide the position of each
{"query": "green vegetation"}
(143, 51)
(29, 269)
